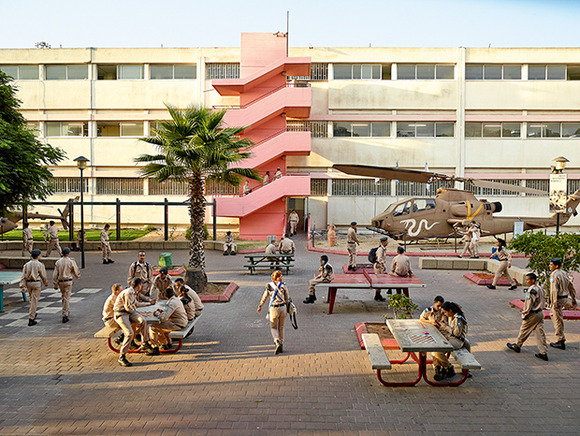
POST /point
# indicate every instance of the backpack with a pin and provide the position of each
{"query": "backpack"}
(373, 255)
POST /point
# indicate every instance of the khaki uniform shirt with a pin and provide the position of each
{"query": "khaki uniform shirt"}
(351, 236)
(456, 328)
(326, 272)
(534, 300)
(433, 315)
(65, 268)
(127, 302)
(195, 306)
(229, 239)
(174, 312)
(476, 234)
(104, 237)
(287, 246)
(27, 235)
(109, 308)
(161, 285)
(143, 271)
(503, 255)
(382, 255)
(271, 249)
(293, 217)
(281, 296)
(277, 175)
(266, 179)
(33, 270)
(52, 232)
(560, 285)
(401, 266)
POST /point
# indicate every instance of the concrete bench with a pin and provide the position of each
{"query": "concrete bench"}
(465, 359)
(376, 352)
(109, 332)
(17, 262)
(452, 263)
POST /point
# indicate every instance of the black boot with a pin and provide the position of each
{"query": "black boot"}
(543, 356)
(560, 344)
(310, 299)
(514, 347)
(65, 319)
(119, 340)
(439, 373)
(123, 361)
(450, 372)
(379, 297)
(491, 286)
(32, 322)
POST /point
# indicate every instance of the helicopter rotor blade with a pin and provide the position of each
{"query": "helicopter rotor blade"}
(390, 173)
(503, 186)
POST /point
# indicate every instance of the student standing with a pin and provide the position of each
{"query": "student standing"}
(33, 274)
(277, 291)
(561, 288)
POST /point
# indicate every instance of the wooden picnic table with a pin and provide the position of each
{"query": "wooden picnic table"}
(262, 260)
(9, 278)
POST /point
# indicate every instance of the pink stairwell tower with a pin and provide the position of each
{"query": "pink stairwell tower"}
(267, 98)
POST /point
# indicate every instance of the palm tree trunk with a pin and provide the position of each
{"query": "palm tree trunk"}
(196, 277)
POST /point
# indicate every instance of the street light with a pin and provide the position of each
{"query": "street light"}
(82, 164)
(560, 164)
(558, 179)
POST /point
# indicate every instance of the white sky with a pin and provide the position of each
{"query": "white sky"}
(351, 23)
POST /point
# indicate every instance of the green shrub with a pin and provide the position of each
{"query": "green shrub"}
(403, 306)
(150, 228)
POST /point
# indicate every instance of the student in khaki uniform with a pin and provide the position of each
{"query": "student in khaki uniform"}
(277, 174)
(27, 240)
(401, 265)
(266, 178)
(173, 317)
(271, 249)
(247, 189)
(505, 262)
(105, 245)
(141, 269)
(532, 318)
(434, 315)
(293, 220)
(127, 316)
(351, 243)
(475, 237)
(33, 274)
(277, 291)
(160, 284)
(561, 288)
(380, 266)
(230, 246)
(455, 332)
(466, 239)
(325, 275)
(62, 278)
(286, 245)
(51, 236)
(109, 312)
(189, 298)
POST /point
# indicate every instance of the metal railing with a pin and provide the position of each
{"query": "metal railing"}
(261, 97)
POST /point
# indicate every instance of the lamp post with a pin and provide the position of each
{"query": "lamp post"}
(558, 168)
(82, 164)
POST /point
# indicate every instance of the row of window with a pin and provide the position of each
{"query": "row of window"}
(319, 71)
(513, 130)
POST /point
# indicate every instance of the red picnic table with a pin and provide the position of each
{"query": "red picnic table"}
(369, 281)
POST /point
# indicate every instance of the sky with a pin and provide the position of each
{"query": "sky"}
(338, 23)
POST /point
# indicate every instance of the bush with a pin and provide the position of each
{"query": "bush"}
(403, 306)
(205, 233)
(150, 228)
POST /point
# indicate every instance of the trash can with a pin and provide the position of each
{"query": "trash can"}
(165, 260)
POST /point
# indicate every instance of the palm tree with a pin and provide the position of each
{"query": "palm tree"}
(194, 146)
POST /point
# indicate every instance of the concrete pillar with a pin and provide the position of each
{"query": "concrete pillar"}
(460, 113)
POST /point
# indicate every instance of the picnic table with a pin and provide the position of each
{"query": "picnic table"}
(262, 260)
(369, 281)
(414, 337)
(9, 278)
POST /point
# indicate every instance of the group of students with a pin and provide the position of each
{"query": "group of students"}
(471, 236)
(180, 304)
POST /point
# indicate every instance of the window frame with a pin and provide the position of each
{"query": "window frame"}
(416, 124)
(66, 71)
(18, 74)
(435, 68)
(152, 66)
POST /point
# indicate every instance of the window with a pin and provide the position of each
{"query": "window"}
(33, 127)
(168, 187)
(119, 186)
(222, 71)
(573, 72)
(544, 130)
(492, 130)
(493, 72)
(20, 72)
(362, 129)
(67, 72)
(360, 187)
(425, 130)
(129, 72)
(319, 187)
(172, 72)
(357, 71)
(65, 185)
(318, 72)
(546, 72)
(317, 129)
(573, 185)
(423, 204)
(58, 128)
(117, 129)
(570, 130)
(425, 72)
(542, 185)
(106, 72)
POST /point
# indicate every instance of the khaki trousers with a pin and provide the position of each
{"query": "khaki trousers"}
(65, 290)
(558, 317)
(277, 319)
(533, 323)
(474, 247)
(125, 322)
(160, 332)
(312, 283)
(106, 249)
(503, 270)
(379, 268)
(351, 247)
(53, 245)
(293, 225)
(26, 248)
(230, 247)
(34, 295)
(467, 249)
(440, 359)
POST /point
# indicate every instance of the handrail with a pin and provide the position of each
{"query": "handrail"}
(258, 187)
(272, 136)
(272, 91)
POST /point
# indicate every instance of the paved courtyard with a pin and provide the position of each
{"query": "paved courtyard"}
(57, 379)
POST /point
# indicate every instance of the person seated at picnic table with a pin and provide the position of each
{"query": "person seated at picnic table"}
(109, 312)
(173, 317)
(325, 275)
(271, 249)
(455, 332)
(230, 246)
(434, 315)
(161, 283)
(401, 265)
(191, 301)
(127, 316)
(277, 291)
(380, 266)
(286, 245)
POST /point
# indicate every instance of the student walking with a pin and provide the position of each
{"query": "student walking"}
(277, 291)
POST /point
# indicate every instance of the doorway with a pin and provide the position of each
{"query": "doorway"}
(296, 204)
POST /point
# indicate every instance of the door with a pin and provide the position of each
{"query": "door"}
(296, 204)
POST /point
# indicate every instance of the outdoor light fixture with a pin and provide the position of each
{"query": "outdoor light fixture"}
(82, 164)
(560, 164)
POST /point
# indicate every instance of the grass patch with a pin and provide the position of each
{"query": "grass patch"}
(92, 235)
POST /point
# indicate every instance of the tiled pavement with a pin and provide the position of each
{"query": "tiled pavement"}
(56, 379)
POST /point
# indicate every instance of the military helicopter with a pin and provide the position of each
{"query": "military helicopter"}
(11, 221)
(425, 217)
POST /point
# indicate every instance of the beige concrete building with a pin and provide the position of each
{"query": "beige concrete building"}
(493, 113)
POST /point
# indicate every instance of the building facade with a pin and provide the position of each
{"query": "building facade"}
(491, 113)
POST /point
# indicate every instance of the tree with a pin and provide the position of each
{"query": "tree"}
(194, 146)
(541, 248)
(24, 175)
